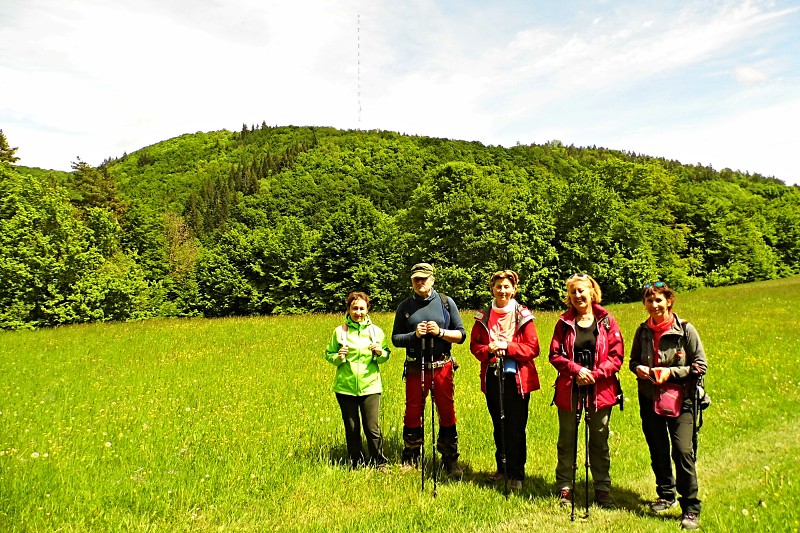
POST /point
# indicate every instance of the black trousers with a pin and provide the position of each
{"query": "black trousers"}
(515, 407)
(661, 434)
(355, 410)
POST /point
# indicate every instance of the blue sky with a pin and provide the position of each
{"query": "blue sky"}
(710, 82)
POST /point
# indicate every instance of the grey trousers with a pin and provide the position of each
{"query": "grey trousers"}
(599, 454)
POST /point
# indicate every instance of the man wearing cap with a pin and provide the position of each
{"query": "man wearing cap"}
(430, 318)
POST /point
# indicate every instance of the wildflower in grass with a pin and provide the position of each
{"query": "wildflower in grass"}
(35, 455)
(108, 444)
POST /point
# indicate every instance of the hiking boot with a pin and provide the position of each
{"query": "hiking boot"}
(603, 499)
(661, 505)
(690, 521)
(515, 484)
(565, 497)
(496, 477)
(452, 469)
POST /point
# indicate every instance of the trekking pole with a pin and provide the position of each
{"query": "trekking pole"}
(578, 412)
(433, 420)
(586, 442)
(422, 415)
(501, 391)
(695, 409)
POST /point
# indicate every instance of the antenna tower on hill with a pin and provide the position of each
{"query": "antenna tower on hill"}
(358, 67)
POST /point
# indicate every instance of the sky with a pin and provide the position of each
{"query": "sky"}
(711, 82)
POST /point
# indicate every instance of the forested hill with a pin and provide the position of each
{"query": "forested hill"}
(290, 219)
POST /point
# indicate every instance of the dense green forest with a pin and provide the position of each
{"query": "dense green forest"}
(271, 220)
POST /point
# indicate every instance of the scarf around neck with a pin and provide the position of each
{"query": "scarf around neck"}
(658, 331)
(501, 321)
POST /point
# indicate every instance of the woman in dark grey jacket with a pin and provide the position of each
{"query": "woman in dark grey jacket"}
(668, 359)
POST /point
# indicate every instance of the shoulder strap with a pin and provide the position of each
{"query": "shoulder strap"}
(685, 339)
(445, 308)
(341, 334)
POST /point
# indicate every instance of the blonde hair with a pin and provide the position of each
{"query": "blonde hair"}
(597, 292)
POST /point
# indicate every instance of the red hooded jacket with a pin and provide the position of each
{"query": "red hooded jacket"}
(523, 348)
(609, 352)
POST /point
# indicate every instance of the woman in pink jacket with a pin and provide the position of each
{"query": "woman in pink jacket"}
(587, 352)
(505, 341)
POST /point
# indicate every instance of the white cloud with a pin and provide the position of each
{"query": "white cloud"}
(749, 75)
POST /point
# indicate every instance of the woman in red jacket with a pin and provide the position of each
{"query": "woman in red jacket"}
(504, 340)
(587, 352)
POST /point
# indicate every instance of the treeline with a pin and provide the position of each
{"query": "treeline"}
(289, 220)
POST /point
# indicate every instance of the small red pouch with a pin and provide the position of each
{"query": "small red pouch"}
(668, 399)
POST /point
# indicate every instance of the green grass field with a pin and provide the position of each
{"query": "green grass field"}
(230, 425)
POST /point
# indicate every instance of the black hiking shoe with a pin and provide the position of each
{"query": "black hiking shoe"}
(452, 469)
(603, 499)
(690, 521)
(661, 505)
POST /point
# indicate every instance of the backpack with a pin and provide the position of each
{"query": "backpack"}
(701, 398)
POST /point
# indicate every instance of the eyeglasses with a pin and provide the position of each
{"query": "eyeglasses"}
(657, 284)
(580, 275)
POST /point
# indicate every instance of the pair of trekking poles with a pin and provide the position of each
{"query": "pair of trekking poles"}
(429, 351)
(582, 407)
(499, 371)
(585, 358)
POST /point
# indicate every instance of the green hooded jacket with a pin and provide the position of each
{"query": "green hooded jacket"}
(358, 374)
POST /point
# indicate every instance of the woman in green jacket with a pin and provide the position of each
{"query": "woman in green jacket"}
(356, 348)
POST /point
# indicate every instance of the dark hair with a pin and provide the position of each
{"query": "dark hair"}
(659, 287)
(510, 275)
(357, 296)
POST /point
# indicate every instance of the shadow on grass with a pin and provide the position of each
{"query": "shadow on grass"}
(542, 487)
(535, 486)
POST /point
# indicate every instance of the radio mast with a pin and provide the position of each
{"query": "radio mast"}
(358, 67)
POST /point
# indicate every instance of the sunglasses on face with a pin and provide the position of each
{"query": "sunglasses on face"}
(657, 284)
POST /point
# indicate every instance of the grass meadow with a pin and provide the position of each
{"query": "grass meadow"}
(231, 425)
